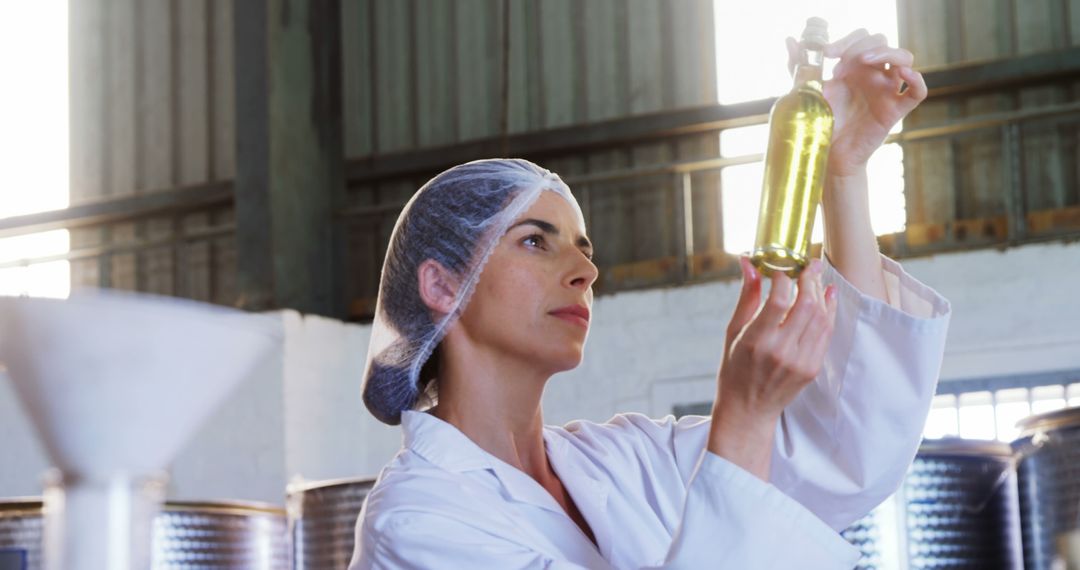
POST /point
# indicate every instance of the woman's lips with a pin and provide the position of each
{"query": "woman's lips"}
(575, 314)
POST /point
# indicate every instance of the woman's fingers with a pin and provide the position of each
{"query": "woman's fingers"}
(864, 45)
(807, 303)
(916, 85)
(814, 343)
(749, 299)
(881, 55)
(814, 348)
(837, 48)
(776, 305)
(851, 57)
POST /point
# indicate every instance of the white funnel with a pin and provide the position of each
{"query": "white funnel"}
(116, 384)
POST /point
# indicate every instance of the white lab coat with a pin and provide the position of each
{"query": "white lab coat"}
(652, 494)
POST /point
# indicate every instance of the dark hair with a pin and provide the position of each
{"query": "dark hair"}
(444, 221)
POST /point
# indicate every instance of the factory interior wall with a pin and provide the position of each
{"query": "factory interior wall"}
(1015, 312)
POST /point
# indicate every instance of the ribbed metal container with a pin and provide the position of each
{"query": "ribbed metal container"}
(957, 508)
(187, 536)
(21, 530)
(1048, 451)
(961, 508)
(865, 534)
(322, 521)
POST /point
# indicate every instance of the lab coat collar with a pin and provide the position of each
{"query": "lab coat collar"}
(443, 445)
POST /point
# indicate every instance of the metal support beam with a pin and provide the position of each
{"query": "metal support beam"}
(289, 153)
(561, 141)
(993, 75)
(986, 76)
(122, 209)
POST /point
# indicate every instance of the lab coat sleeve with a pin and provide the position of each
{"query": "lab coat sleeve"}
(845, 443)
(731, 519)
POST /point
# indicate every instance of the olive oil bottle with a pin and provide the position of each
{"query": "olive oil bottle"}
(800, 127)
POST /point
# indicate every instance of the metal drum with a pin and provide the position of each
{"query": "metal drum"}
(21, 529)
(322, 519)
(961, 506)
(957, 508)
(865, 535)
(1048, 451)
(187, 536)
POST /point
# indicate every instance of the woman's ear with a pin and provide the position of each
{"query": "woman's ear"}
(438, 286)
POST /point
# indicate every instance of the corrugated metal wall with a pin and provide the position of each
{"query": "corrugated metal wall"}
(972, 183)
(151, 110)
(421, 73)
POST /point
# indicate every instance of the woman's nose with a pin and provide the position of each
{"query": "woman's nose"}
(584, 273)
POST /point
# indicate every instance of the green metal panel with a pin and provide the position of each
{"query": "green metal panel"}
(569, 62)
(562, 73)
(436, 74)
(222, 103)
(392, 32)
(645, 47)
(1040, 26)
(478, 67)
(357, 44)
(606, 59)
(191, 90)
(156, 90)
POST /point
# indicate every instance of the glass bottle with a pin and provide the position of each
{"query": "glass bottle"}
(800, 128)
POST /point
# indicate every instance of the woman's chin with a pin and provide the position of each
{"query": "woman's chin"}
(565, 361)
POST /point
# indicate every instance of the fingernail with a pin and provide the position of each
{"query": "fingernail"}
(830, 293)
(870, 58)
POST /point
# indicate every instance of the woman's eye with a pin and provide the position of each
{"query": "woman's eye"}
(535, 240)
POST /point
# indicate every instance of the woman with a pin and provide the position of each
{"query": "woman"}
(821, 399)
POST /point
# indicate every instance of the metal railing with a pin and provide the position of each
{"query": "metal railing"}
(1014, 225)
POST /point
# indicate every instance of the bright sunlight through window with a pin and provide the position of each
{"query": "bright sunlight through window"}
(34, 143)
(752, 64)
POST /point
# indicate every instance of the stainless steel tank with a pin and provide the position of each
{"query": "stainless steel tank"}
(322, 521)
(1048, 451)
(865, 534)
(21, 530)
(957, 508)
(961, 506)
(187, 536)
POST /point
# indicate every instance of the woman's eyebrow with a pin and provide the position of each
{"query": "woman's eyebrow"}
(546, 227)
(549, 228)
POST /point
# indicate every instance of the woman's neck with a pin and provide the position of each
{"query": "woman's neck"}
(495, 401)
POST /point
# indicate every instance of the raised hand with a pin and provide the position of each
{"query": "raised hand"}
(772, 351)
(872, 88)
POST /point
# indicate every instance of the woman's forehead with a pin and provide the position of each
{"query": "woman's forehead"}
(553, 208)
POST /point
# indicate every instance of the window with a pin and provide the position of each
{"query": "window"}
(763, 74)
(994, 412)
(34, 143)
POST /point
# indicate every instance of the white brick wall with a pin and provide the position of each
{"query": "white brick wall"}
(1015, 311)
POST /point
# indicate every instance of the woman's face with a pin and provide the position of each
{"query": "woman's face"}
(534, 298)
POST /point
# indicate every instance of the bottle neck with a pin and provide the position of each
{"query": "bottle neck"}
(808, 70)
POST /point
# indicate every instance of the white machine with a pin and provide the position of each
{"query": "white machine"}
(115, 384)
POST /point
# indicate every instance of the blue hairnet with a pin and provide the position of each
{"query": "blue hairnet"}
(456, 219)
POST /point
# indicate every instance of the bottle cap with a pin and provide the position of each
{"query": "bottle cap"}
(816, 32)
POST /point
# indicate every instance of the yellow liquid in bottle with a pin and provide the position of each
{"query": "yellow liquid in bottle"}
(800, 127)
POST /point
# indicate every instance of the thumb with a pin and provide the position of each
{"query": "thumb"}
(749, 300)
